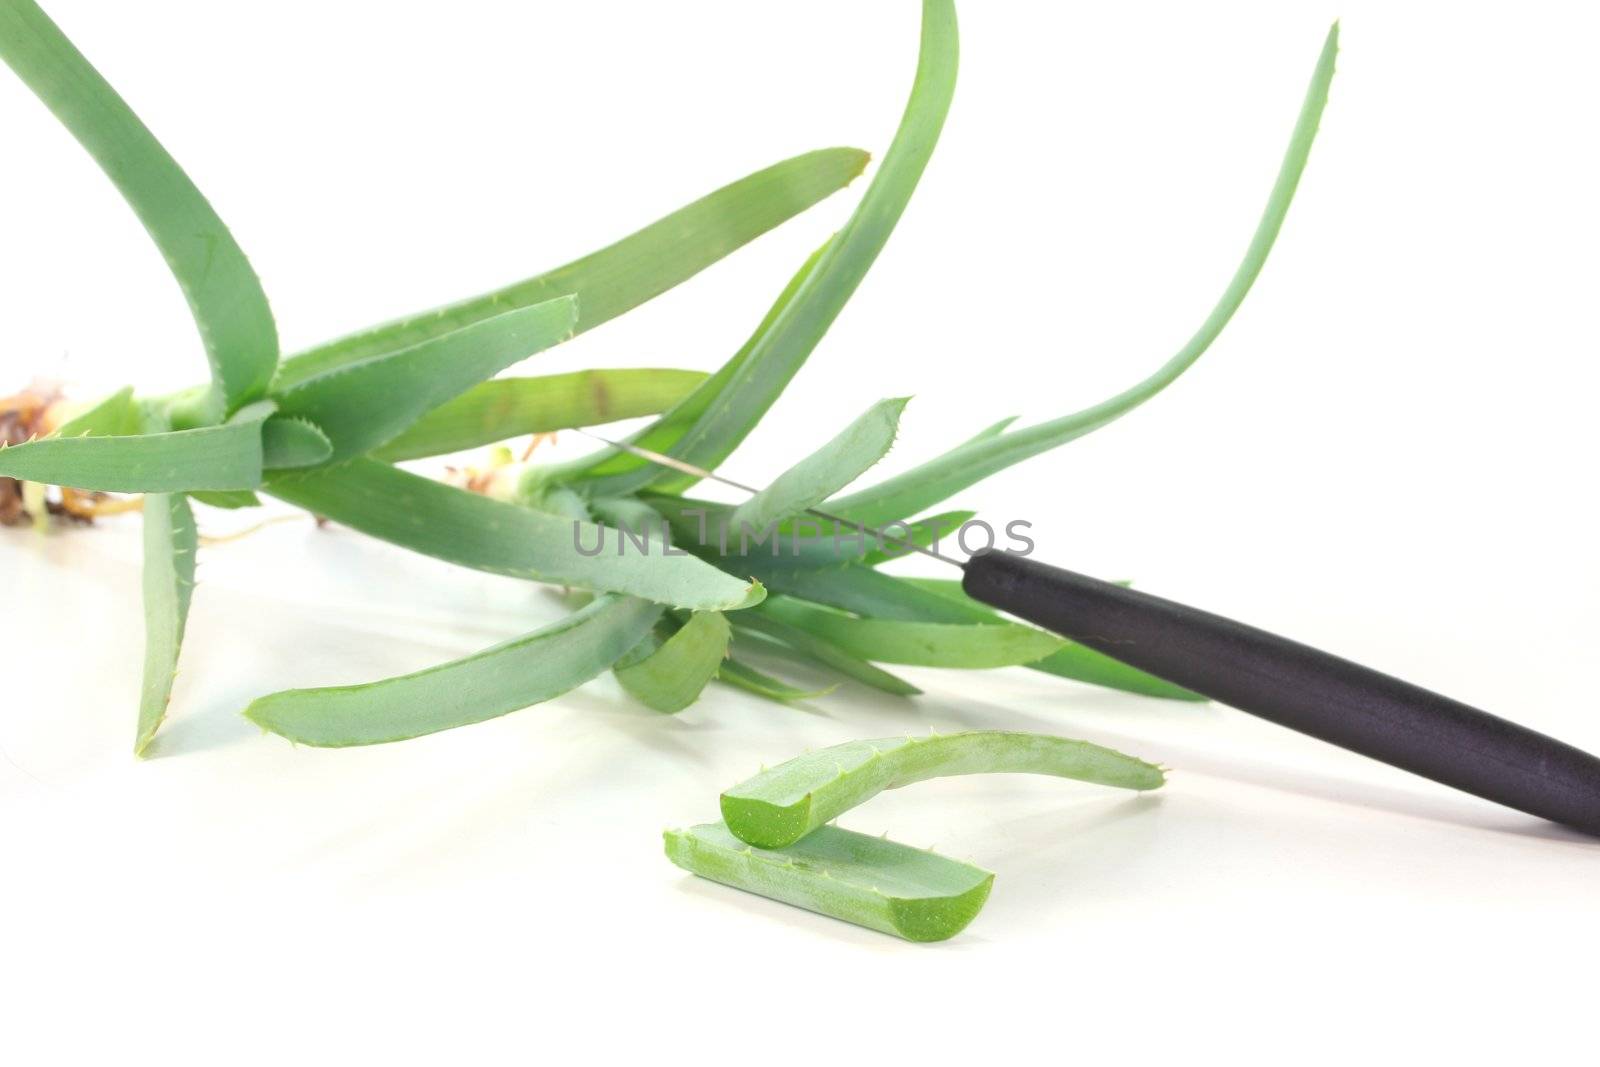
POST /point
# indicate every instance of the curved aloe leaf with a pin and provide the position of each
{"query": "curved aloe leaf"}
(474, 531)
(367, 404)
(290, 442)
(798, 323)
(214, 457)
(870, 881)
(970, 646)
(935, 481)
(819, 650)
(670, 676)
(494, 411)
(223, 292)
(499, 680)
(780, 806)
(170, 540)
(623, 275)
(827, 470)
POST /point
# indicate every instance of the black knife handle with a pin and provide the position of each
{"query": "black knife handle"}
(1302, 688)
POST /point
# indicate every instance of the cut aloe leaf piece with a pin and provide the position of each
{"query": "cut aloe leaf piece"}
(512, 407)
(924, 486)
(506, 678)
(368, 404)
(869, 881)
(782, 805)
(474, 531)
(827, 470)
(170, 540)
(671, 675)
(623, 275)
(215, 457)
(223, 292)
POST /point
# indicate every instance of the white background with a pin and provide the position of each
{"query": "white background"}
(1389, 453)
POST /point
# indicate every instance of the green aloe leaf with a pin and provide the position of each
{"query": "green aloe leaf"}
(800, 319)
(474, 531)
(819, 650)
(506, 678)
(367, 404)
(741, 675)
(870, 881)
(827, 470)
(782, 805)
(1073, 661)
(970, 646)
(213, 457)
(623, 275)
(494, 411)
(924, 486)
(118, 415)
(170, 540)
(223, 292)
(671, 675)
(290, 442)
(231, 500)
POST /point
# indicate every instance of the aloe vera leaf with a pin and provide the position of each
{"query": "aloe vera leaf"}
(118, 415)
(363, 405)
(673, 675)
(815, 297)
(741, 675)
(231, 500)
(923, 533)
(830, 655)
(1074, 661)
(508, 677)
(870, 881)
(969, 646)
(827, 470)
(782, 805)
(223, 292)
(474, 531)
(623, 275)
(494, 411)
(170, 540)
(288, 442)
(213, 457)
(925, 486)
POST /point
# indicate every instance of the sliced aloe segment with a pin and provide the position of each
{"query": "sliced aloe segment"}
(870, 881)
(782, 805)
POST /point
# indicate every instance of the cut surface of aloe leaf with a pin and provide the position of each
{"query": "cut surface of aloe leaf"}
(782, 805)
(364, 405)
(474, 531)
(506, 678)
(222, 289)
(498, 410)
(968, 646)
(623, 275)
(215, 457)
(814, 299)
(672, 675)
(869, 881)
(170, 541)
(827, 470)
(924, 486)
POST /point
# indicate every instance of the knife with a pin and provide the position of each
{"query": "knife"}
(1294, 685)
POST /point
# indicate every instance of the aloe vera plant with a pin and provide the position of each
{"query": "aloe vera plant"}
(322, 430)
(774, 839)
